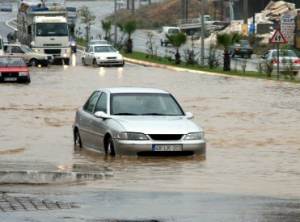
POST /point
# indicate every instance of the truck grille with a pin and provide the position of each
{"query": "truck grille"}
(166, 136)
(52, 45)
(53, 51)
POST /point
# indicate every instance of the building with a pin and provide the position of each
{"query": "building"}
(255, 6)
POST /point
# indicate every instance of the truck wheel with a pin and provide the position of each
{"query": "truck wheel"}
(67, 61)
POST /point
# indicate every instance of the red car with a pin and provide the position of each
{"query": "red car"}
(13, 69)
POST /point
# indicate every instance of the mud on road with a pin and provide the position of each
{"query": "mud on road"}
(251, 128)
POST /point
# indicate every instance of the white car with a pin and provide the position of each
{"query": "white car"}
(102, 55)
(167, 30)
(136, 121)
(288, 60)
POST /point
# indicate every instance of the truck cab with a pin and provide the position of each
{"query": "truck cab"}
(50, 35)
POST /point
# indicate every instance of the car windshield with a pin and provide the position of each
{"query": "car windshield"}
(25, 48)
(95, 42)
(144, 104)
(244, 43)
(284, 53)
(105, 49)
(52, 29)
(11, 62)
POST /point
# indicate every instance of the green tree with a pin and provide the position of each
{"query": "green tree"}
(87, 18)
(106, 26)
(129, 28)
(226, 40)
(177, 40)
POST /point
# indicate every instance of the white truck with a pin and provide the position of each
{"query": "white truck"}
(44, 27)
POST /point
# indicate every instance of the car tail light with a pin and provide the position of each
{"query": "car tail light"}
(297, 61)
(275, 61)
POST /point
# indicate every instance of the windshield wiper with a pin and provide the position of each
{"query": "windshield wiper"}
(158, 114)
(125, 114)
(154, 114)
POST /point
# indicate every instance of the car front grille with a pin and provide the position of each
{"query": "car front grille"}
(10, 74)
(166, 136)
(111, 57)
(52, 51)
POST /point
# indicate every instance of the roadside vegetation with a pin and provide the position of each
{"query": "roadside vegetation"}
(262, 74)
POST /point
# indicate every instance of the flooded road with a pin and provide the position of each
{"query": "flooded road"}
(251, 129)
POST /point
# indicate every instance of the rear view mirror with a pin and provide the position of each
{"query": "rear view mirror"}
(189, 115)
(102, 115)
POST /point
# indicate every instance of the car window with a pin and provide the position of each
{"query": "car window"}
(102, 103)
(90, 49)
(90, 104)
(16, 49)
(144, 104)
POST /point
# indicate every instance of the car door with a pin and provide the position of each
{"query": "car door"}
(90, 55)
(17, 51)
(86, 119)
(99, 126)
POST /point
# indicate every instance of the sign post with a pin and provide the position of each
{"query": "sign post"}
(278, 38)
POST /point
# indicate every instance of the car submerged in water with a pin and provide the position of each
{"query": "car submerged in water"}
(138, 121)
(13, 69)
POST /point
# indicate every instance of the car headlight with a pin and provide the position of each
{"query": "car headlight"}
(23, 73)
(194, 136)
(98, 57)
(32, 43)
(131, 136)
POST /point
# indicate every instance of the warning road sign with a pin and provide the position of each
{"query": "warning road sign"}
(278, 37)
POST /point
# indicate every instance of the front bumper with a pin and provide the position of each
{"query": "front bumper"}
(109, 62)
(135, 147)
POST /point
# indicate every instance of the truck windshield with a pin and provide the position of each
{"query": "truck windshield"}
(51, 29)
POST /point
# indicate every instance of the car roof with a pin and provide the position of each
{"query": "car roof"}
(133, 90)
(100, 44)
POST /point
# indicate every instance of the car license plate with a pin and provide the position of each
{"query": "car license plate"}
(10, 79)
(166, 148)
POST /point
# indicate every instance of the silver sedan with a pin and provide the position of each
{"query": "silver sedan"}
(136, 121)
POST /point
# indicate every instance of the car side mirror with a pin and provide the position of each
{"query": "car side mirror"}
(263, 56)
(102, 115)
(189, 115)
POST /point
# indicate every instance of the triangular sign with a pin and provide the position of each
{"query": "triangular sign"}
(278, 37)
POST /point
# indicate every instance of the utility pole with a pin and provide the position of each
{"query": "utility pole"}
(115, 25)
(184, 9)
(245, 6)
(204, 2)
(132, 6)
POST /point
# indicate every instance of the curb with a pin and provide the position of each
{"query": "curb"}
(178, 69)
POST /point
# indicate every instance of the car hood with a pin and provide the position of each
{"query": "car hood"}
(157, 124)
(107, 54)
(13, 69)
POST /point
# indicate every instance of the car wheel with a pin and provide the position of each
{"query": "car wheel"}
(95, 63)
(33, 62)
(77, 139)
(83, 62)
(109, 147)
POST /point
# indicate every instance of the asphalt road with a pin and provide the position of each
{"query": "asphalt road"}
(251, 172)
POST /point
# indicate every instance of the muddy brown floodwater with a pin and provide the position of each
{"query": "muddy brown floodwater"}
(252, 129)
